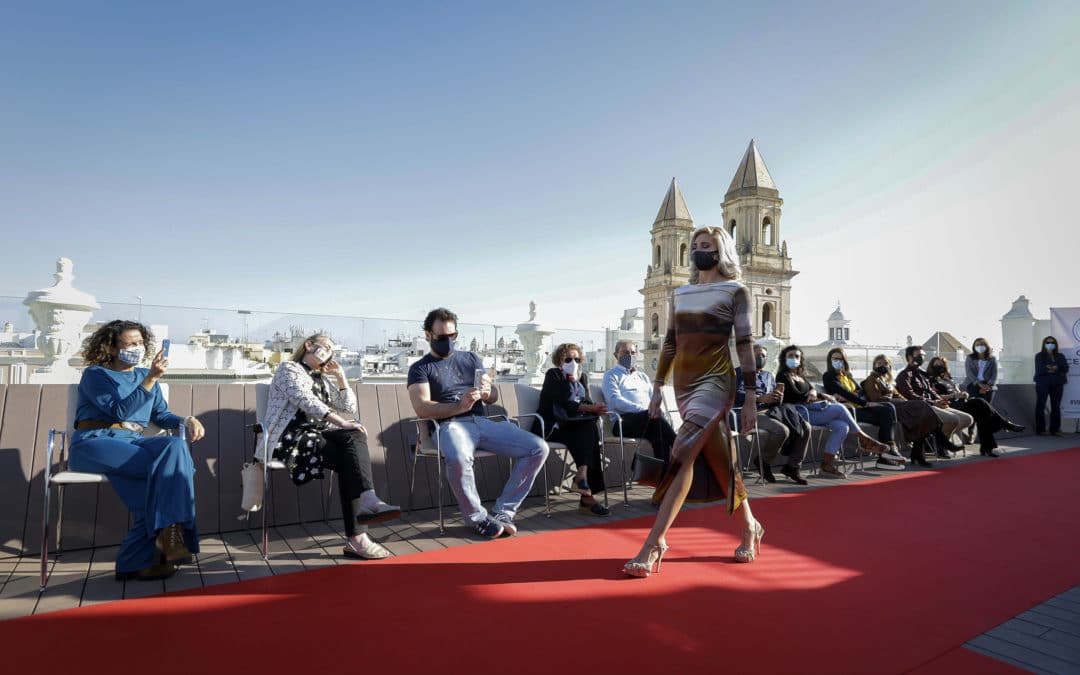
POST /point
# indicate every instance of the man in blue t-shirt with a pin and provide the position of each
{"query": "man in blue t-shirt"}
(442, 386)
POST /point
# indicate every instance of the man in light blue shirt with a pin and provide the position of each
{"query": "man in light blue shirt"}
(627, 391)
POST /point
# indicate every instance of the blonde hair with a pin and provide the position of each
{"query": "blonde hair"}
(298, 353)
(728, 266)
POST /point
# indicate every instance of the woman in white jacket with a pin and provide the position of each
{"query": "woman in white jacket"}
(310, 426)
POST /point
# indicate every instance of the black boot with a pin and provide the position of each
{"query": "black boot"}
(944, 445)
(917, 455)
(767, 474)
(792, 472)
(1017, 428)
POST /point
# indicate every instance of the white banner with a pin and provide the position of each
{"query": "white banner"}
(1065, 326)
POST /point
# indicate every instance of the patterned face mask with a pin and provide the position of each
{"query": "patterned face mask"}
(132, 356)
(322, 352)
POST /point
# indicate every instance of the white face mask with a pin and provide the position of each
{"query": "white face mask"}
(132, 356)
(571, 369)
(322, 353)
(981, 349)
(837, 364)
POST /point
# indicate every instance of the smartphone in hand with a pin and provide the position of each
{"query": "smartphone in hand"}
(478, 378)
(165, 347)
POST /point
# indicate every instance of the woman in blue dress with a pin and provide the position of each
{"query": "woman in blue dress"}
(153, 475)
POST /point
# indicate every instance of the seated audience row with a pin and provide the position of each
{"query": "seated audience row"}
(311, 426)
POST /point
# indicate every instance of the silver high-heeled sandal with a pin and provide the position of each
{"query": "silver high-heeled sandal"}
(746, 553)
(655, 556)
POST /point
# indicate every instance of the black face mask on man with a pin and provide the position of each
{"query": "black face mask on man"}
(759, 362)
(706, 260)
(442, 346)
(917, 360)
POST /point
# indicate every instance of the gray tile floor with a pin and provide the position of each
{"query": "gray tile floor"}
(1043, 639)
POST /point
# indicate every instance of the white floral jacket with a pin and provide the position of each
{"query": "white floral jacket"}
(291, 390)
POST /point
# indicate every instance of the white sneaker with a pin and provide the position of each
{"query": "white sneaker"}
(894, 455)
(372, 550)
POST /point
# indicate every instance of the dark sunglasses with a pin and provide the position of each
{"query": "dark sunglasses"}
(568, 359)
(449, 336)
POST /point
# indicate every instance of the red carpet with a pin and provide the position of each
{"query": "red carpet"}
(886, 576)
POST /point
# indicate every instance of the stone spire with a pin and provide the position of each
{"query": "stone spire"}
(674, 206)
(752, 173)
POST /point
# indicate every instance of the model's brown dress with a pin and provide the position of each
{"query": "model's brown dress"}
(702, 317)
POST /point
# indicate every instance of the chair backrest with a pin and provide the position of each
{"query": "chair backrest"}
(152, 429)
(671, 405)
(72, 406)
(596, 393)
(262, 399)
(528, 399)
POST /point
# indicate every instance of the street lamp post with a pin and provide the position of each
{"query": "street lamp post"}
(139, 298)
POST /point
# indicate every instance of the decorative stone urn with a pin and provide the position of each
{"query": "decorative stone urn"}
(59, 313)
(533, 337)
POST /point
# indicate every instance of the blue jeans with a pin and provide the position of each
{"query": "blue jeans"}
(154, 477)
(459, 440)
(839, 421)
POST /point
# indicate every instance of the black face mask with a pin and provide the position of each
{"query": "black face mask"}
(706, 260)
(882, 370)
(442, 347)
(918, 360)
(759, 362)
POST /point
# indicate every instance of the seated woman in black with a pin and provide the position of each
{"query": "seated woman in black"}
(570, 418)
(838, 382)
(987, 419)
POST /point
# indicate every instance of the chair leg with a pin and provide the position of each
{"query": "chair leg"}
(442, 525)
(547, 493)
(756, 440)
(267, 501)
(45, 537)
(59, 519)
(622, 471)
(412, 481)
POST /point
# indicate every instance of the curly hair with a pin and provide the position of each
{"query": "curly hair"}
(96, 347)
(438, 314)
(562, 350)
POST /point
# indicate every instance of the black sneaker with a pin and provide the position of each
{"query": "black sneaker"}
(488, 528)
(792, 472)
(509, 528)
(888, 464)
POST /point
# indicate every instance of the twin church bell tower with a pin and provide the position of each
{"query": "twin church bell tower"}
(752, 212)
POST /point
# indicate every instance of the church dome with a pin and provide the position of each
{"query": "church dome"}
(837, 315)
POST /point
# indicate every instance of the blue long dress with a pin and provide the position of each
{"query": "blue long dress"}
(154, 476)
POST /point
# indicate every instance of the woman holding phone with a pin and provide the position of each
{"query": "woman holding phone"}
(154, 476)
(310, 426)
(570, 417)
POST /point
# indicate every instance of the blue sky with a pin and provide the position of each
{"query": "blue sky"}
(381, 160)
